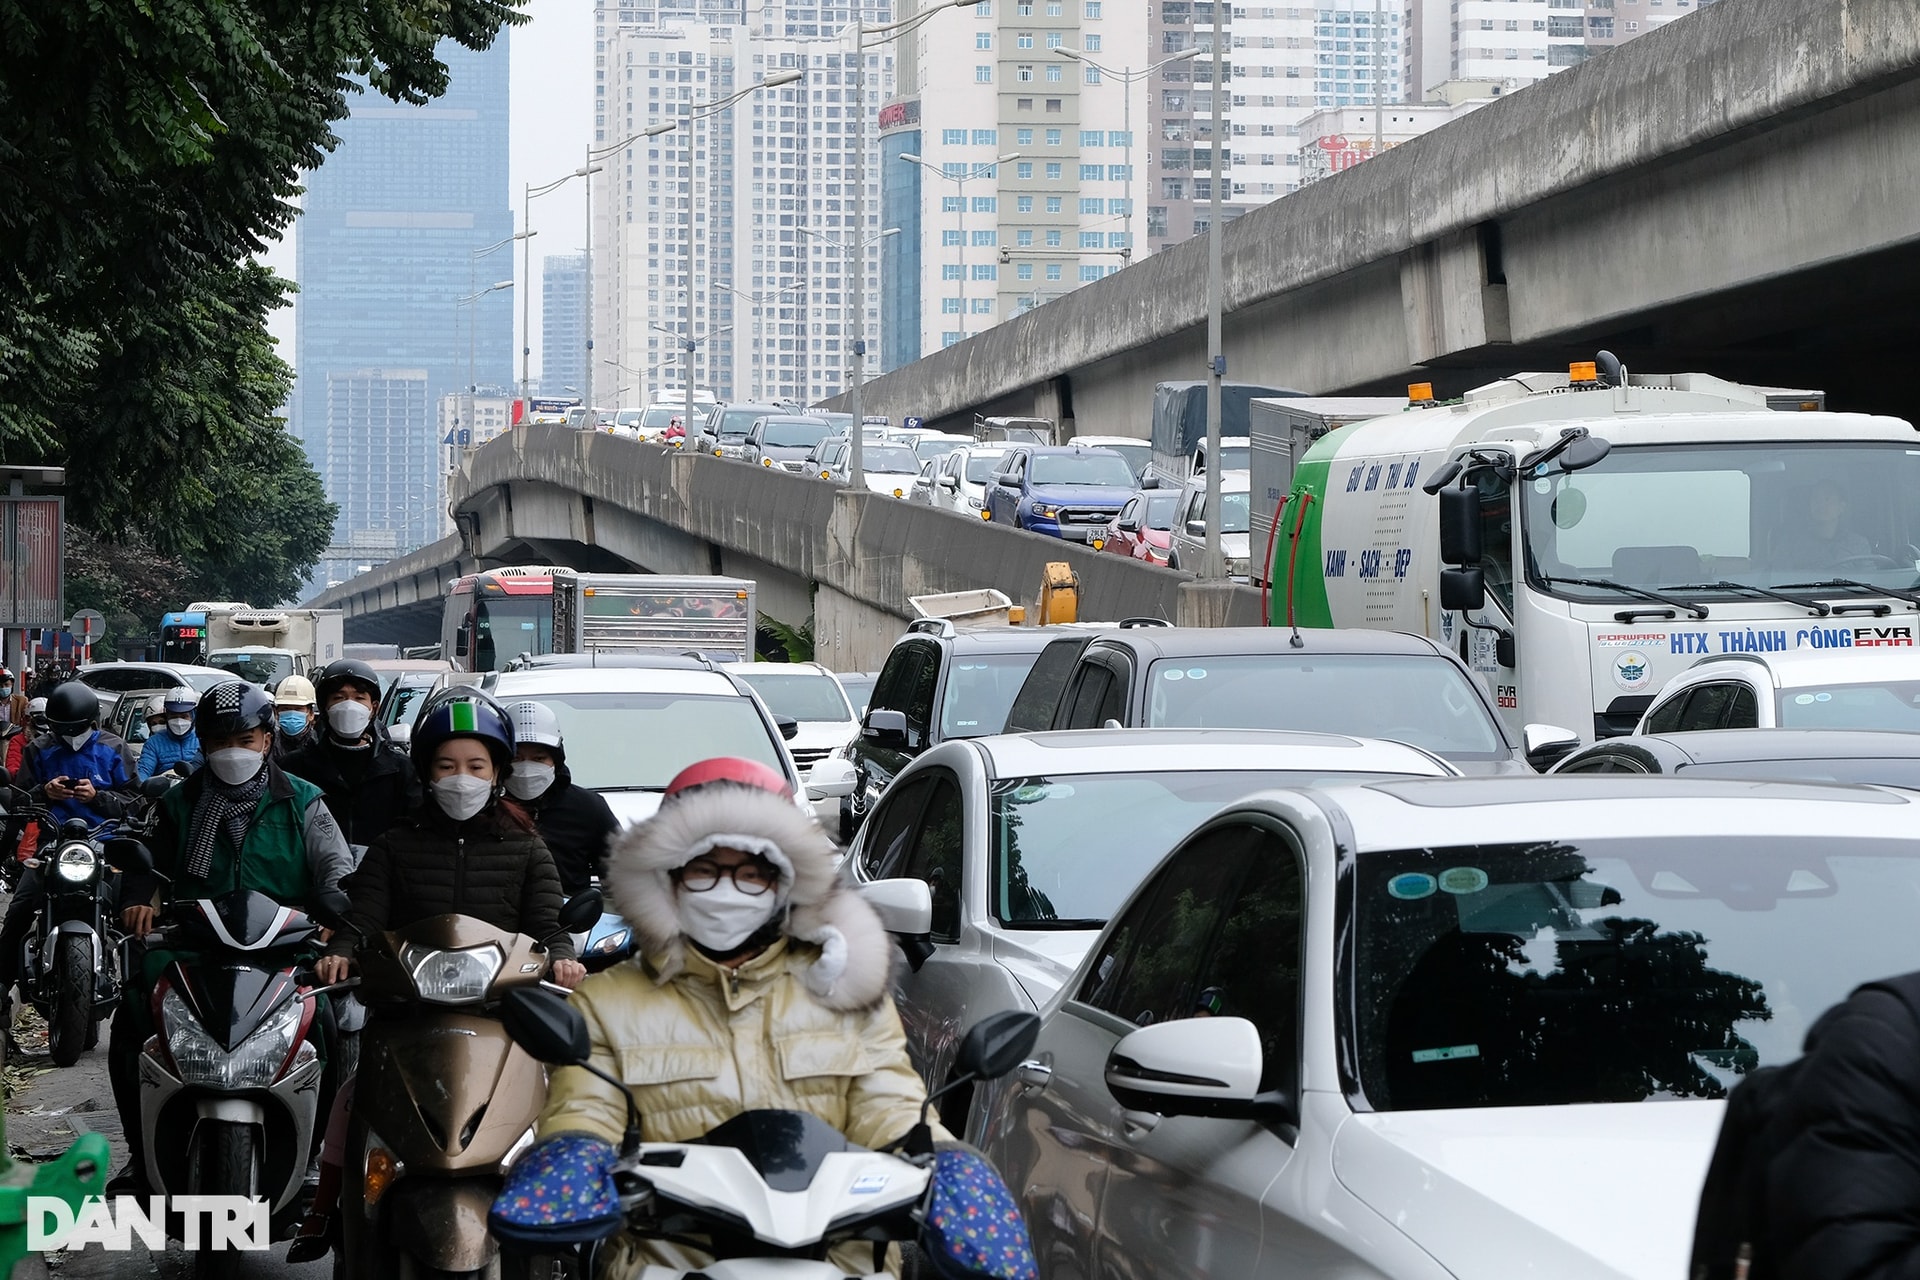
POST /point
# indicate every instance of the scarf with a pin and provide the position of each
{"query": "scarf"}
(222, 810)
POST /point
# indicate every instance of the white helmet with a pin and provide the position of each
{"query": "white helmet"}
(534, 722)
(181, 701)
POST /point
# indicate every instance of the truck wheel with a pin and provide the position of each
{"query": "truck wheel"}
(67, 1030)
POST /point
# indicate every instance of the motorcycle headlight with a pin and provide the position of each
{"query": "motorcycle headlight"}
(75, 863)
(458, 975)
(612, 944)
(199, 1059)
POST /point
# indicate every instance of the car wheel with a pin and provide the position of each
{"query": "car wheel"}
(1173, 561)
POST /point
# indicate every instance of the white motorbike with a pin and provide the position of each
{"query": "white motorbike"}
(768, 1193)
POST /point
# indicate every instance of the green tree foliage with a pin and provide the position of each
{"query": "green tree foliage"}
(147, 152)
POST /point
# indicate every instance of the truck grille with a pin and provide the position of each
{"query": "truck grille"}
(1085, 516)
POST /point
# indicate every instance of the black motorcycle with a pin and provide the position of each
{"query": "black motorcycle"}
(73, 963)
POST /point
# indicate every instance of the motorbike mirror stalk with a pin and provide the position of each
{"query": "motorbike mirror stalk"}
(581, 912)
(993, 1046)
(334, 909)
(553, 1032)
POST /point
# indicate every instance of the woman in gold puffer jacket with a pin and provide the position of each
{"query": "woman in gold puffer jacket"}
(761, 982)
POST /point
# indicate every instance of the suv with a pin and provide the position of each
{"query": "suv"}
(784, 440)
(1374, 684)
(725, 430)
(1063, 492)
(1797, 689)
(1189, 549)
(938, 683)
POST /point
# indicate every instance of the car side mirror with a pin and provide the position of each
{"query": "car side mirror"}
(1196, 528)
(1149, 482)
(1196, 1067)
(949, 483)
(886, 728)
(1463, 590)
(546, 1026)
(997, 1044)
(789, 727)
(831, 778)
(581, 912)
(905, 906)
(1548, 744)
(1002, 477)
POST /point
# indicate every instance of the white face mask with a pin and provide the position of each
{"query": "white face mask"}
(78, 740)
(180, 726)
(462, 795)
(530, 781)
(349, 720)
(235, 765)
(723, 917)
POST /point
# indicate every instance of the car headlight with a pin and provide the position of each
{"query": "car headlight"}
(75, 863)
(199, 1059)
(459, 975)
(612, 944)
(976, 504)
(1045, 511)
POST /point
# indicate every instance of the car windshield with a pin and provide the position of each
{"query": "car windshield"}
(639, 741)
(1612, 970)
(659, 417)
(1236, 457)
(935, 447)
(1082, 469)
(1888, 771)
(202, 680)
(1137, 456)
(403, 706)
(1233, 513)
(1426, 701)
(1894, 704)
(255, 668)
(793, 433)
(981, 466)
(734, 424)
(802, 695)
(980, 692)
(1068, 850)
(1160, 509)
(1757, 514)
(859, 687)
(890, 459)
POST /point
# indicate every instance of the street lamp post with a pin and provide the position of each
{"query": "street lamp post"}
(1128, 77)
(960, 181)
(857, 248)
(1216, 355)
(526, 270)
(758, 300)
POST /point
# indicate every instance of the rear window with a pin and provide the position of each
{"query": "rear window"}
(980, 692)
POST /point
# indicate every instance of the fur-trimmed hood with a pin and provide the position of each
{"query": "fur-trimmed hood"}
(854, 964)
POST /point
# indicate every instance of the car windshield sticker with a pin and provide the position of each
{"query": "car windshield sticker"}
(1412, 886)
(1460, 880)
(1176, 675)
(1196, 673)
(1042, 791)
(1447, 1054)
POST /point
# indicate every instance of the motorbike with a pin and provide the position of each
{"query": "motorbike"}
(233, 1088)
(606, 944)
(767, 1193)
(443, 1098)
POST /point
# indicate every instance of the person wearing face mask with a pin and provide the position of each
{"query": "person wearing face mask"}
(575, 823)
(174, 742)
(762, 981)
(239, 823)
(470, 850)
(370, 784)
(13, 703)
(296, 708)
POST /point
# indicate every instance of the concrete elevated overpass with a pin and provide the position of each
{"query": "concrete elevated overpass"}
(846, 560)
(1737, 193)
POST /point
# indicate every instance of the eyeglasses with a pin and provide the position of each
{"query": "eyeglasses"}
(751, 878)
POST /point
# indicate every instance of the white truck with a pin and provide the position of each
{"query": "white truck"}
(648, 612)
(1580, 537)
(265, 646)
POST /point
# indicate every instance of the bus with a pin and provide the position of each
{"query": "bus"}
(494, 617)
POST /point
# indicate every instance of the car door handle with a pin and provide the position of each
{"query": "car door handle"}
(1138, 1124)
(1034, 1073)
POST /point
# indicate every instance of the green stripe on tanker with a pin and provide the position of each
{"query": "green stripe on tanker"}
(1309, 587)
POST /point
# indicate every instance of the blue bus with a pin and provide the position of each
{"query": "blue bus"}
(183, 637)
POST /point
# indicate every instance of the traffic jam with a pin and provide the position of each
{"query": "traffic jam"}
(593, 942)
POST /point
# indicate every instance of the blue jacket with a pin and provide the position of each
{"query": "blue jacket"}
(162, 751)
(107, 760)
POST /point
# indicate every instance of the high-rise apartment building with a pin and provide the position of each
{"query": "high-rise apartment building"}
(735, 230)
(383, 259)
(563, 328)
(1521, 40)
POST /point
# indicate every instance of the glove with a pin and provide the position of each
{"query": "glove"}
(972, 1229)
(558, 1193)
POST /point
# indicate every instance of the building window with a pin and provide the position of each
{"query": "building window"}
(1055, 170)
(1023, 204)
(1092, 205)
(1054, 106)
(1054, 137)
(1024, 40)
(1023, 104)
(983, 39)
(949, 238)
(951, 338)
(986, 239)
(1053, 239)
(1093, 44)
(985, 271)
(1121, 207)
(1090, 274)
(1023, 239)
(953, 137)
(1090, 239)
(986, 204)
(1118, 139)
(1024, 271)
(980, 306)
(1093, 75)
(1023, 72)
(1119, 173)
(1054, 72)
(1092, 138)
(951, 271)
(1023, 137)
(983, 75)
(951, 204)
(950, 306)
(1053, 271)
(1092, 172)
(1093, 10)
(1056, 204)
(1055, 39)
(1024, 169)
(954, 169)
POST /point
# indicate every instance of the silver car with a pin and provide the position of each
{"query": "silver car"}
(998, 859)
(1468, 1029)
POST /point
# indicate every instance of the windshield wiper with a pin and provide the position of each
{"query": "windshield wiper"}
(1811, 606)
(1856, 585)
(1699, 611)
(632, 788)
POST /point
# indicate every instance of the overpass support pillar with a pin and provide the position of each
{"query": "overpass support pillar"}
(1454, 294)
(850, 634)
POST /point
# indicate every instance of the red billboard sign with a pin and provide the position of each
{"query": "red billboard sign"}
(32, 564)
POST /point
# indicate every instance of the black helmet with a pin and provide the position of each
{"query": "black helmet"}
(232, 708)
(462, 711)
(341, 672)
(72, 708)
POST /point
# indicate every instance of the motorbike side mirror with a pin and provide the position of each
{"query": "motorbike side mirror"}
(997, 1044)
(581, 912)
(182, 769)
(546, 1026)
(158, 785)
(332, 908)
(124, 853)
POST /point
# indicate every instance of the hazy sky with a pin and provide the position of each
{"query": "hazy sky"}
(552, 115)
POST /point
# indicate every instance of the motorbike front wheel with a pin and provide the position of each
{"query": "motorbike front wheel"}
(224, 1162)
(72, 1001)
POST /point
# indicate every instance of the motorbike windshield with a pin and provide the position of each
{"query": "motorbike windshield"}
(785, 1148)
(242, 918)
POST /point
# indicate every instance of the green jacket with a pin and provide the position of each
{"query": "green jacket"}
(292, 847)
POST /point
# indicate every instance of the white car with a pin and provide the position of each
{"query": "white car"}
(631, 728)
(889, 468)
(807, 693)
(999, 859)
(1136, 451)
(1469, 1029)
(959, 480)
(938, 444)
(1868, 687)
(1189, 550)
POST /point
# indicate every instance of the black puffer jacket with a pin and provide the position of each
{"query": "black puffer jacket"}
(1843, 1193)
(576, 824)
(368, 790)
(430, 866)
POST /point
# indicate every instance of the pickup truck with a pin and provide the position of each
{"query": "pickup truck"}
(1062, 491)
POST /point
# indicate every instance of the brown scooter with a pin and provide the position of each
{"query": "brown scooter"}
(443, 1099)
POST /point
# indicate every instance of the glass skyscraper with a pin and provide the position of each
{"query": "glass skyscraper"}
(385, 254)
